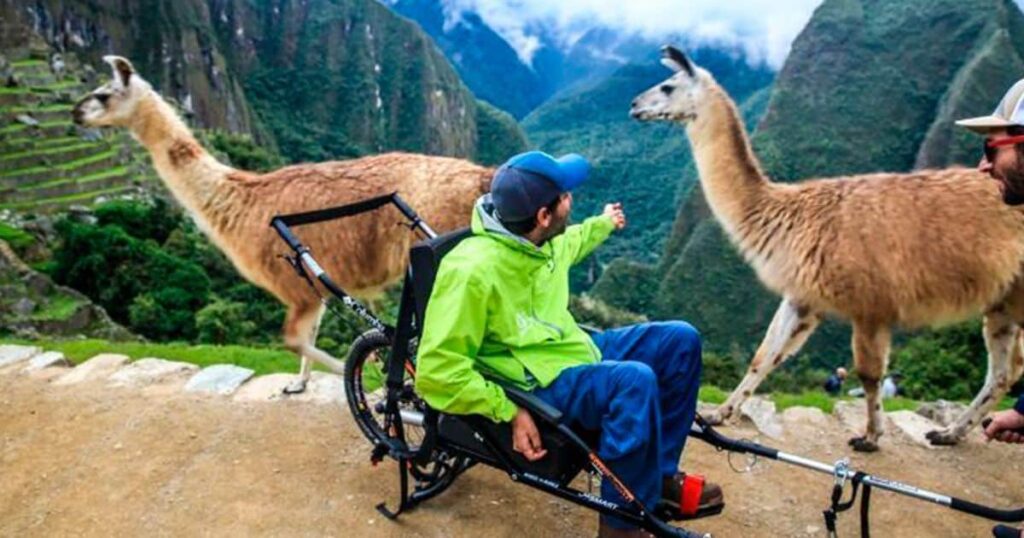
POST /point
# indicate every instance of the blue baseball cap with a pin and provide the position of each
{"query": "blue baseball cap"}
(532, 180)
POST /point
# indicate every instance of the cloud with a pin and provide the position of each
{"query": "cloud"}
(763, 29)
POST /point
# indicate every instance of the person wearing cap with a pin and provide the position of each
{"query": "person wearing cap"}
(499, 310)
(1003, 157)
(1003, 160)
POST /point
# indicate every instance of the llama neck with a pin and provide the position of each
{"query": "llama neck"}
(729, 172)
(194, 177)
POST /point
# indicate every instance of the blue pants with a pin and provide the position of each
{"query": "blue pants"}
(642, 396)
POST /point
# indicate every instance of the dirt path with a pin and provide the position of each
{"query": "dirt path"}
(88, 460)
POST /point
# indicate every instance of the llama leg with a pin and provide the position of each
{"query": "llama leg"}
(871, 357)
(790, 328)
(300, 328)
(1002, 341)
(1017, 358)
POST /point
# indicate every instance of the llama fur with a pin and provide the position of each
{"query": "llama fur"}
(363, 254)
(881, 250)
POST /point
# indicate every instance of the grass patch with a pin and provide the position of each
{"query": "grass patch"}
(98, 176)
(712, 394)
(28, 63)
(59, 107)
(66, 167)
(16, 238)
(41, 142)
(819, 400)
(17, 90)
(59, 308)
(263, 361)
(19, 127)
(14, 128)
(50, 88)
(47, 151)
(65, 199)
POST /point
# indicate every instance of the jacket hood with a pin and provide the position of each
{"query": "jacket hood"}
(486, 224)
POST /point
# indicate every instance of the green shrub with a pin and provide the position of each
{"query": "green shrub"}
(155, 220)
(948, 363)
(114, 269)
(18, 239)
(244, 153)
(222, 322)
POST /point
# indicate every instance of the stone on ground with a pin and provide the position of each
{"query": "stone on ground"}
(914, 426)
(942, 412)
(218, 379)
(46, 360)
(264, 388)
(10, 354)
(323, 388)
(762, 413)
(808, 416)
(851, 415)
(149, 371)
(98, 367)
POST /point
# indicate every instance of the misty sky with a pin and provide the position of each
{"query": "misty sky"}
(763, 29)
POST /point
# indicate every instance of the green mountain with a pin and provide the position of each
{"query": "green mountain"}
(633, 163)
(317, 79)
(869, 86)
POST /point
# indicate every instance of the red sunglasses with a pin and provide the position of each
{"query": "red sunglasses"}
(991, 146)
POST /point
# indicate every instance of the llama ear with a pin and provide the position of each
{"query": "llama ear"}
(675, 60)
(122, 68)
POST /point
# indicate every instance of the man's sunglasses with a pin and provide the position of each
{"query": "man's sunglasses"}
(992, 146)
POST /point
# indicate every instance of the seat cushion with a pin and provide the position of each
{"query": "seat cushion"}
(562, 463)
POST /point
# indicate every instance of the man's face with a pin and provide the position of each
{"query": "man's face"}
(1006, 167)
(554, 223)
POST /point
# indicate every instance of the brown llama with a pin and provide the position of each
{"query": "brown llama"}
(881, 250)
(363, 254)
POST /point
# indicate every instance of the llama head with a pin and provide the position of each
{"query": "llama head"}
(678, 97)
(114, 103)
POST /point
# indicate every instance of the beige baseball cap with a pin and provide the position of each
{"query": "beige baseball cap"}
(1010, 112)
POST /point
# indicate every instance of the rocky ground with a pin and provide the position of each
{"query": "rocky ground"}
(105, 452)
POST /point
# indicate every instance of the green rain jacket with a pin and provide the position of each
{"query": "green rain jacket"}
(500, 310)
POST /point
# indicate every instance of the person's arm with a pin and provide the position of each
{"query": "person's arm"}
(453, 330)
(580, 240)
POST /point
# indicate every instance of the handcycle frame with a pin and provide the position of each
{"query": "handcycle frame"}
(454, 458)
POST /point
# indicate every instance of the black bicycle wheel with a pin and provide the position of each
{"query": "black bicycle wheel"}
(366, 371)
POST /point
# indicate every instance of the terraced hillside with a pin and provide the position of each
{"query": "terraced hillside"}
(46, 163)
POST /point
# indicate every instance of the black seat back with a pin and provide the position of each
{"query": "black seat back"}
(424, 259)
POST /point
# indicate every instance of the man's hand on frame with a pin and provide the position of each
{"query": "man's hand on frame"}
(526, 437)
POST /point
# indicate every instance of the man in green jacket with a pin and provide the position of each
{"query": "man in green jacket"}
(499, 310)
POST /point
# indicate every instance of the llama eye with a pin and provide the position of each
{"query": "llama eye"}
(666, 89)
(102, 97)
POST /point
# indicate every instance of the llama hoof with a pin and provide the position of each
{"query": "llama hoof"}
(714, 418)
(862, 444)
(942, 438)
(295, 387)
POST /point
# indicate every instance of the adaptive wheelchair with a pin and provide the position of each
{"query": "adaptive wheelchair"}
(435, 448)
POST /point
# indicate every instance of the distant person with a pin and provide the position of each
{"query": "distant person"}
(890, 386)
(834, 383)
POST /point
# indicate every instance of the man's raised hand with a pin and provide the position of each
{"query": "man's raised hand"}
(617, 215)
